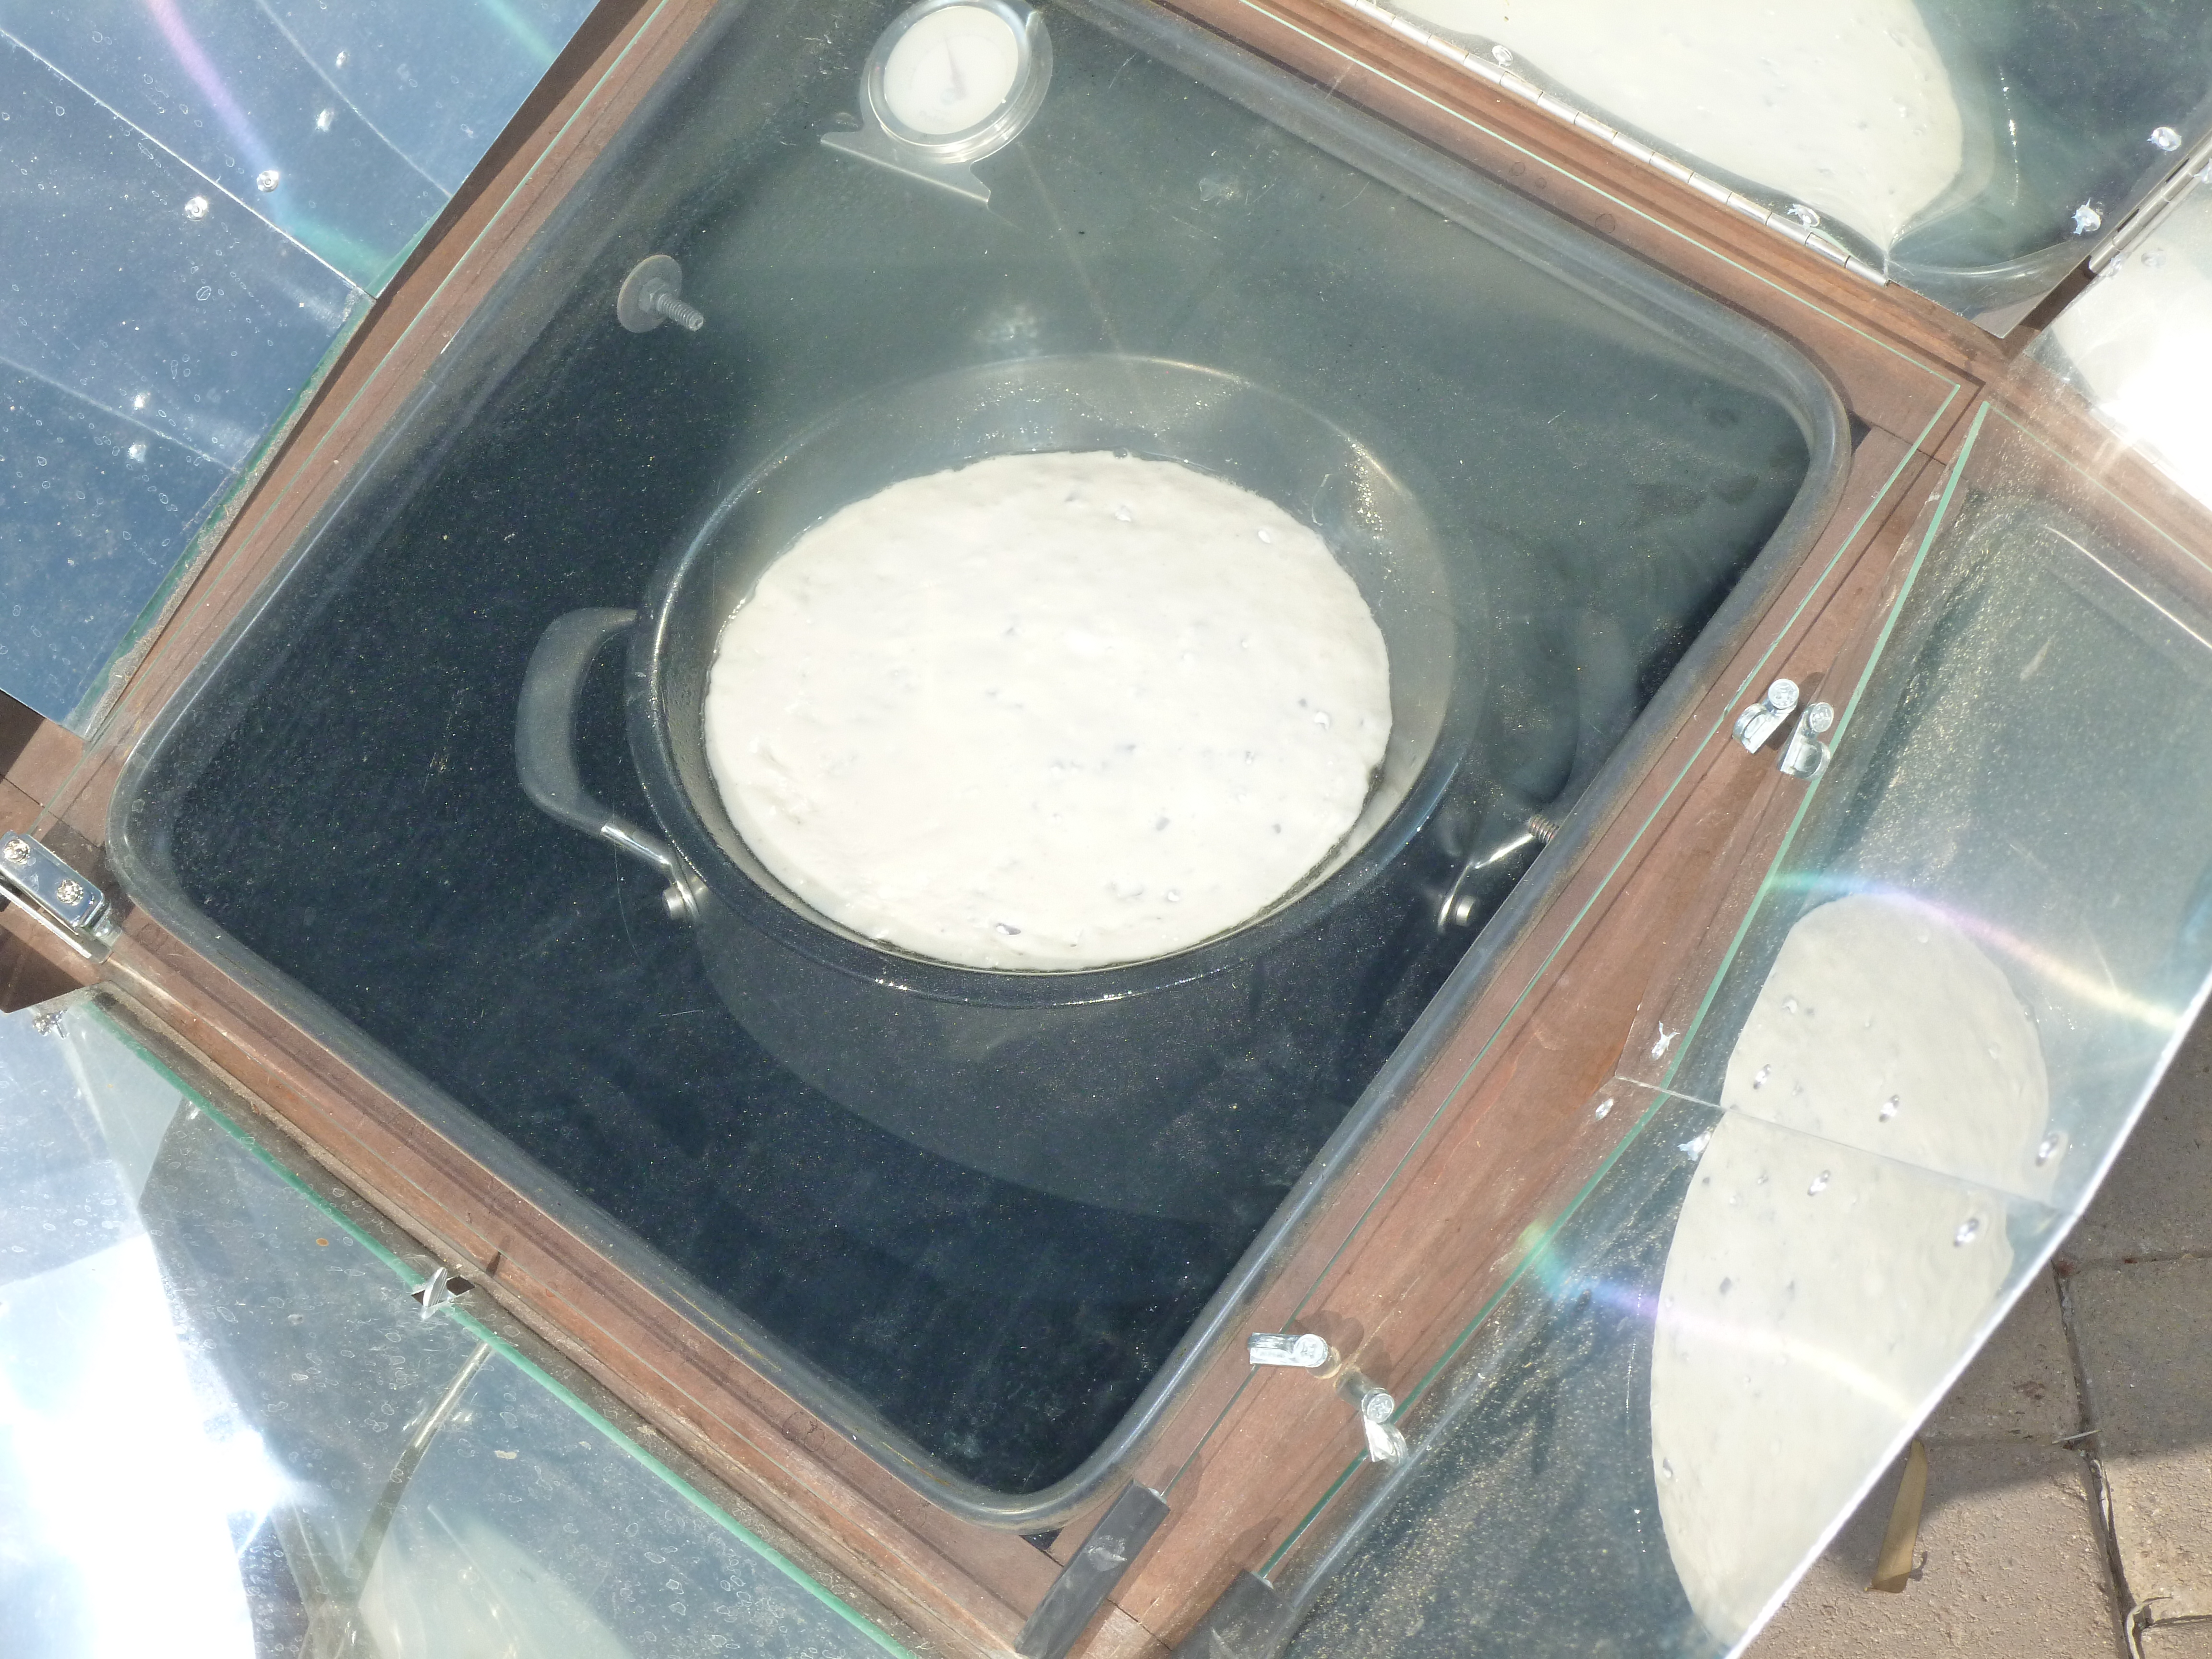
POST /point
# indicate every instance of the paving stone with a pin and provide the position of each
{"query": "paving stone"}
(2158, 1198)
(2021, 1385)
(2145, 1332)
(2011, 1568)
(2190, 1640)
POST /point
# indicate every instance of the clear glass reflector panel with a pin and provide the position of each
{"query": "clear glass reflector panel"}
(302, 1449)
(1990, 929)
(224, 90)
(437, 82)
(138, 286)
(1975, 150)
(94, 512)
(153, 333)
(200, 201)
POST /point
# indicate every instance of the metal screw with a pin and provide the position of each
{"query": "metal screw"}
(267, 179)
(651, 294)
(1820, 717)
(2165, 138)
(677, 312)
(196, 208)
(1503, 55)
(1805, 216)
(2087, 218)
(17, 851)
(70, 892)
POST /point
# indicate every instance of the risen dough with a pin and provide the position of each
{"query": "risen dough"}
(1050, 711)
(1844, 106)
(1838, 1254)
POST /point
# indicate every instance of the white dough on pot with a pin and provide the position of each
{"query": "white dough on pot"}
(1050, 712)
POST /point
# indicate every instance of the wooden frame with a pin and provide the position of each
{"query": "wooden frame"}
(1499, 1134)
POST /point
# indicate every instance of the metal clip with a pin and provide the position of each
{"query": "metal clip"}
(1806, 755)
(1309, 1352)
(1386, 1442)
(56, 896)
(1376, 1406)
(1764, 719)
(439, 1289)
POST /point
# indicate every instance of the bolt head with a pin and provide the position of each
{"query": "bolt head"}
(2165, 138)
(17, 851)
(70, 892)
(1782, 697)
(267, 179)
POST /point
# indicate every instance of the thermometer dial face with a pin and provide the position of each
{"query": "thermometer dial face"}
(952, 70)
(958, 79)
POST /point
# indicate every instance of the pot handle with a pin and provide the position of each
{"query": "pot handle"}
(545, 745)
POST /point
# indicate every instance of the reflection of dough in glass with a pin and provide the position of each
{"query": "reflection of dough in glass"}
(1882, 1026)
(438, 1577)
(1845, 107)
(1831, 1262)
(1050, 711)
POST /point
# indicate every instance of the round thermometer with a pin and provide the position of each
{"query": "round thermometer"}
(958, 79)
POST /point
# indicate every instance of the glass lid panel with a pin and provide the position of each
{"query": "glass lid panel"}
(232, 1430)
(976, 1214)
(1988, 932)
(1975, 150)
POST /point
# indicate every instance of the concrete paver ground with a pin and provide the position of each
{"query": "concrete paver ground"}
(2143, 1330)
(2021, 1385)
(2188, 1640)
(2010, 1562)
(2098, 1384)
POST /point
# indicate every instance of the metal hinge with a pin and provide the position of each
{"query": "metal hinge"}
(2154, 210)
(1386, 1442)
(64, 902)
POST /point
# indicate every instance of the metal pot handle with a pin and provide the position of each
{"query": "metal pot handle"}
(545, 746)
